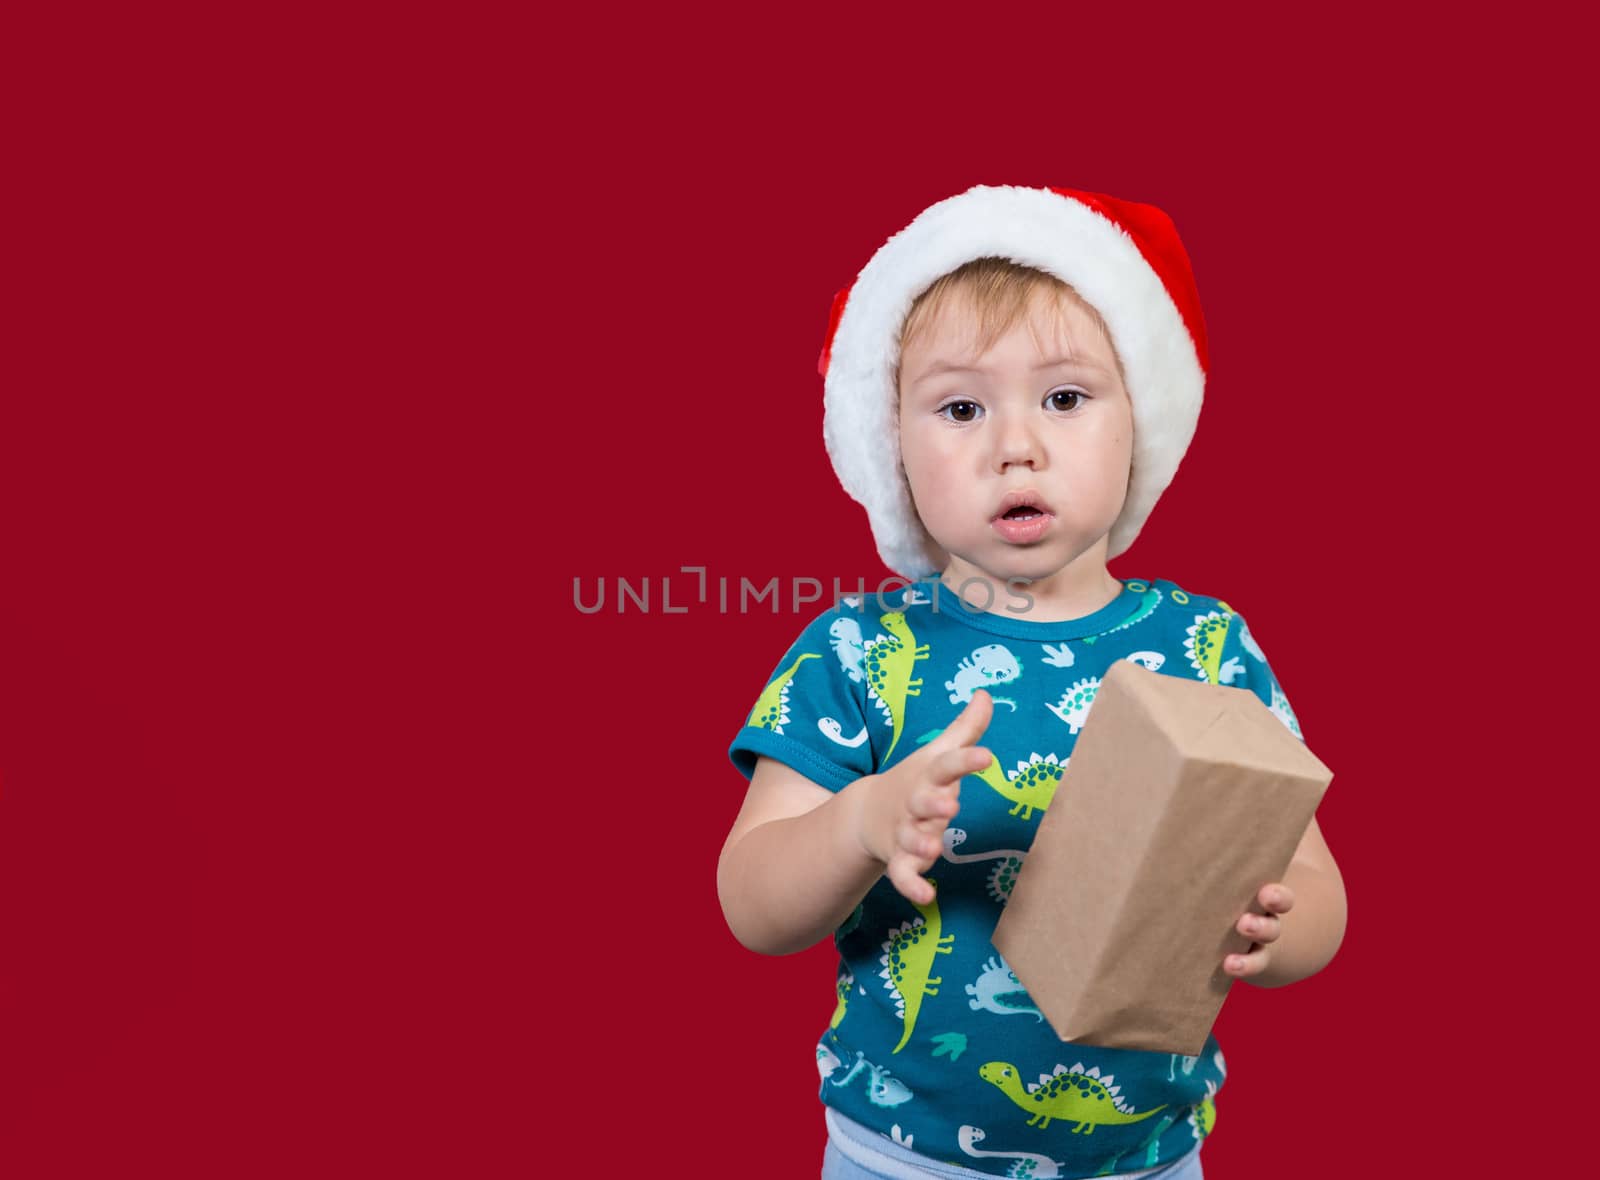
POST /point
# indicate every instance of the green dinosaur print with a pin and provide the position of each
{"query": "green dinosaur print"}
(850, 923)
(1149, 599)
(1031, 787)
(1086, 1099)
(772, 706)
(842, 987)
(1003, 878)
(1204, 643)
(1204, 1117)
(888, 662)
(1201, 1118)
(908, 962)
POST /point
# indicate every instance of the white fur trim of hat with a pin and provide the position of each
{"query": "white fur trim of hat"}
(1123, 257)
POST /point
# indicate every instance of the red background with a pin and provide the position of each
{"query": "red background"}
(333, 839)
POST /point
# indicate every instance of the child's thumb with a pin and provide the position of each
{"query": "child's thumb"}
(970, 723)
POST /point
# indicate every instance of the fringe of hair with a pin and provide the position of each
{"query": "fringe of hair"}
(1001, 292)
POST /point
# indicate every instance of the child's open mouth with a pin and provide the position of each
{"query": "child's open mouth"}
(1022, 524)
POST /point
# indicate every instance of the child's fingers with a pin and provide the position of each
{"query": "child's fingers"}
(1253, 963)
(934, 802)
(1261, 927)
(1277, 898)
(920, 841)
(951, 766)
(904, 875)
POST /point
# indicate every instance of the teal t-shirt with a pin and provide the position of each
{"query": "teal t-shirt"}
(933, 1042)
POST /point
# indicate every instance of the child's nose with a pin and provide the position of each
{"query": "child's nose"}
(1016, 445)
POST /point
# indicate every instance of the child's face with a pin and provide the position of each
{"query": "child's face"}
(1010, 421)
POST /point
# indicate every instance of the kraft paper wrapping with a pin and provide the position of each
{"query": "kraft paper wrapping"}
(1179, 801)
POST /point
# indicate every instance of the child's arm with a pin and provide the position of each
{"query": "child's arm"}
(799, 858)
(792, 868)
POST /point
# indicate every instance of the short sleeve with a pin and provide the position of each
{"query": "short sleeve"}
(1244, 665)
(812, 714)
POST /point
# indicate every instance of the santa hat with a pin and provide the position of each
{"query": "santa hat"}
(1124, 258)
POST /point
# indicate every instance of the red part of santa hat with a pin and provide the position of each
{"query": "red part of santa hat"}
(1123, 257)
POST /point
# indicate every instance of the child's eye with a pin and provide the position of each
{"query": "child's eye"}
(964, 411)
(970, 415)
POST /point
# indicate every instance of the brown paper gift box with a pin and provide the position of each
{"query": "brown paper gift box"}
(1179, 801)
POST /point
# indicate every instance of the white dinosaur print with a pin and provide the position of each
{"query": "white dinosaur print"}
(1073, 708)
(1029, 1163)
(834, 732)
(915, 597)
(844, 636)
(883, 1088)
(827, 1060)
(1233, 669)
(955, 837)
(1249, 641)
(1281, 710)
(1001, 878)
(999, 991)
(987, 666)
(1148, 659)
(1058, 657)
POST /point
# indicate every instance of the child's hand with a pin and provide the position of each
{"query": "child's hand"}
(1276, 899)
(906, 809)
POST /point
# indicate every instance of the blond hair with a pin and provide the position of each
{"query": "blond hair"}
(1001, 292)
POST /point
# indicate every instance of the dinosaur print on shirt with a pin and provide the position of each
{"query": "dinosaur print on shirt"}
(922, 988)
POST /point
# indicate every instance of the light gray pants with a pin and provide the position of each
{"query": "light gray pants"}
(853, 1153)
